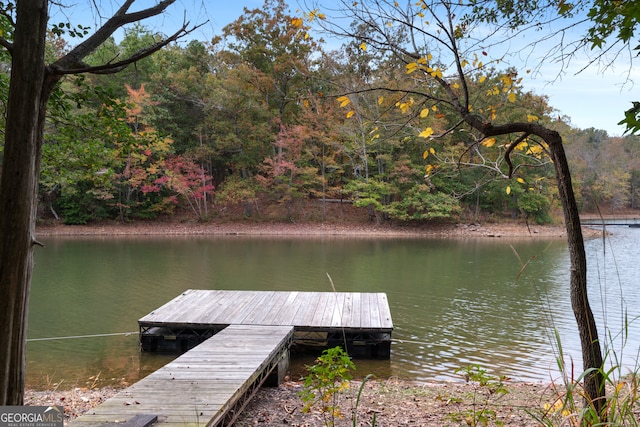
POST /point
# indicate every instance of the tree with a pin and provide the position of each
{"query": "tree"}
(268, 40)
(442, 49)
(32, 82)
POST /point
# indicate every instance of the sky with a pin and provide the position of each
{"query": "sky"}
(589, 98)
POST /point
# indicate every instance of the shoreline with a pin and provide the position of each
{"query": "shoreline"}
(395, 402)
(290, 230)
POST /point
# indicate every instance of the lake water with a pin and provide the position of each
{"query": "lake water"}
(454, 302)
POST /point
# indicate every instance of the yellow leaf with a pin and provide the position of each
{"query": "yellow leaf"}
(432, 151)
(344, 101)
(455, 86)
(426, 133)
(531, 118)
(363, 46)
(380, 100)
(536, 149)
(315, 14)
(520, 180)
(482, 79)
(464, 63)
(489, 142)
(350, 114)
(425, 154)
(296, 22)
(434, 107)
(424, 113)
(508, 190)
(512, 97)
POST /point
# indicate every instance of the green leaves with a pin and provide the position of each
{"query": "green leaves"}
(611, 16)
(632, 119)
(329, 376)
(65, 28)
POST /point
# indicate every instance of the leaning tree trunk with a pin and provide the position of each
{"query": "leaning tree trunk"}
(591, 349)
(592, 360)
(18, 193)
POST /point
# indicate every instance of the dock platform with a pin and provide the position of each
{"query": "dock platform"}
(209, 385)
(362, 320)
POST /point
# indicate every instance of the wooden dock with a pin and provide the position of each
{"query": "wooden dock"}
(362, 320)
(233, 342)
(209, 385)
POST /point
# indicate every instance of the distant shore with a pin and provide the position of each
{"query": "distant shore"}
(278, 229)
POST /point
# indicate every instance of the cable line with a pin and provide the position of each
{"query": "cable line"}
(81, 336)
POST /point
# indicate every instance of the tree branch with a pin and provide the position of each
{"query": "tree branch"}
(114, 67)
(7, 45)
(510, 148)
(73, 60)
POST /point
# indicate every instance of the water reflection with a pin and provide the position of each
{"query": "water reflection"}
(453, 302)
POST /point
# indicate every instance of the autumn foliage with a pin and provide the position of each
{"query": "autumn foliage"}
(267, 114)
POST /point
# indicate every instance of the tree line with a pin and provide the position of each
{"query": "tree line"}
(264, 113)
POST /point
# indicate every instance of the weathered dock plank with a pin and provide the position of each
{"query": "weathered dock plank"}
(324, 304)
(208, 385)
(385, 311)
(305, 314)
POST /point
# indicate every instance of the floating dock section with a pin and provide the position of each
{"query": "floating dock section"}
(361, 320)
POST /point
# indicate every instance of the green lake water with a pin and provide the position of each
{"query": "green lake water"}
(453, 301)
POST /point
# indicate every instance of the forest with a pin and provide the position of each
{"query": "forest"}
(265, 115)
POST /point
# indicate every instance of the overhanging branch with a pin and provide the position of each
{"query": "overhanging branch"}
(72, 62)
(114, 67)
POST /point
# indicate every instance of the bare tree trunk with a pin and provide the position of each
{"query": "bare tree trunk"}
(587, 328)
(18, 193)
(592, 359)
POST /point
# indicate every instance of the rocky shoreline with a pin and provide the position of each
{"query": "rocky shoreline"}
(275, 229)
(394, 403)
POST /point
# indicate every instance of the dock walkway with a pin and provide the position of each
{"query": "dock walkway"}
(209, 385)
